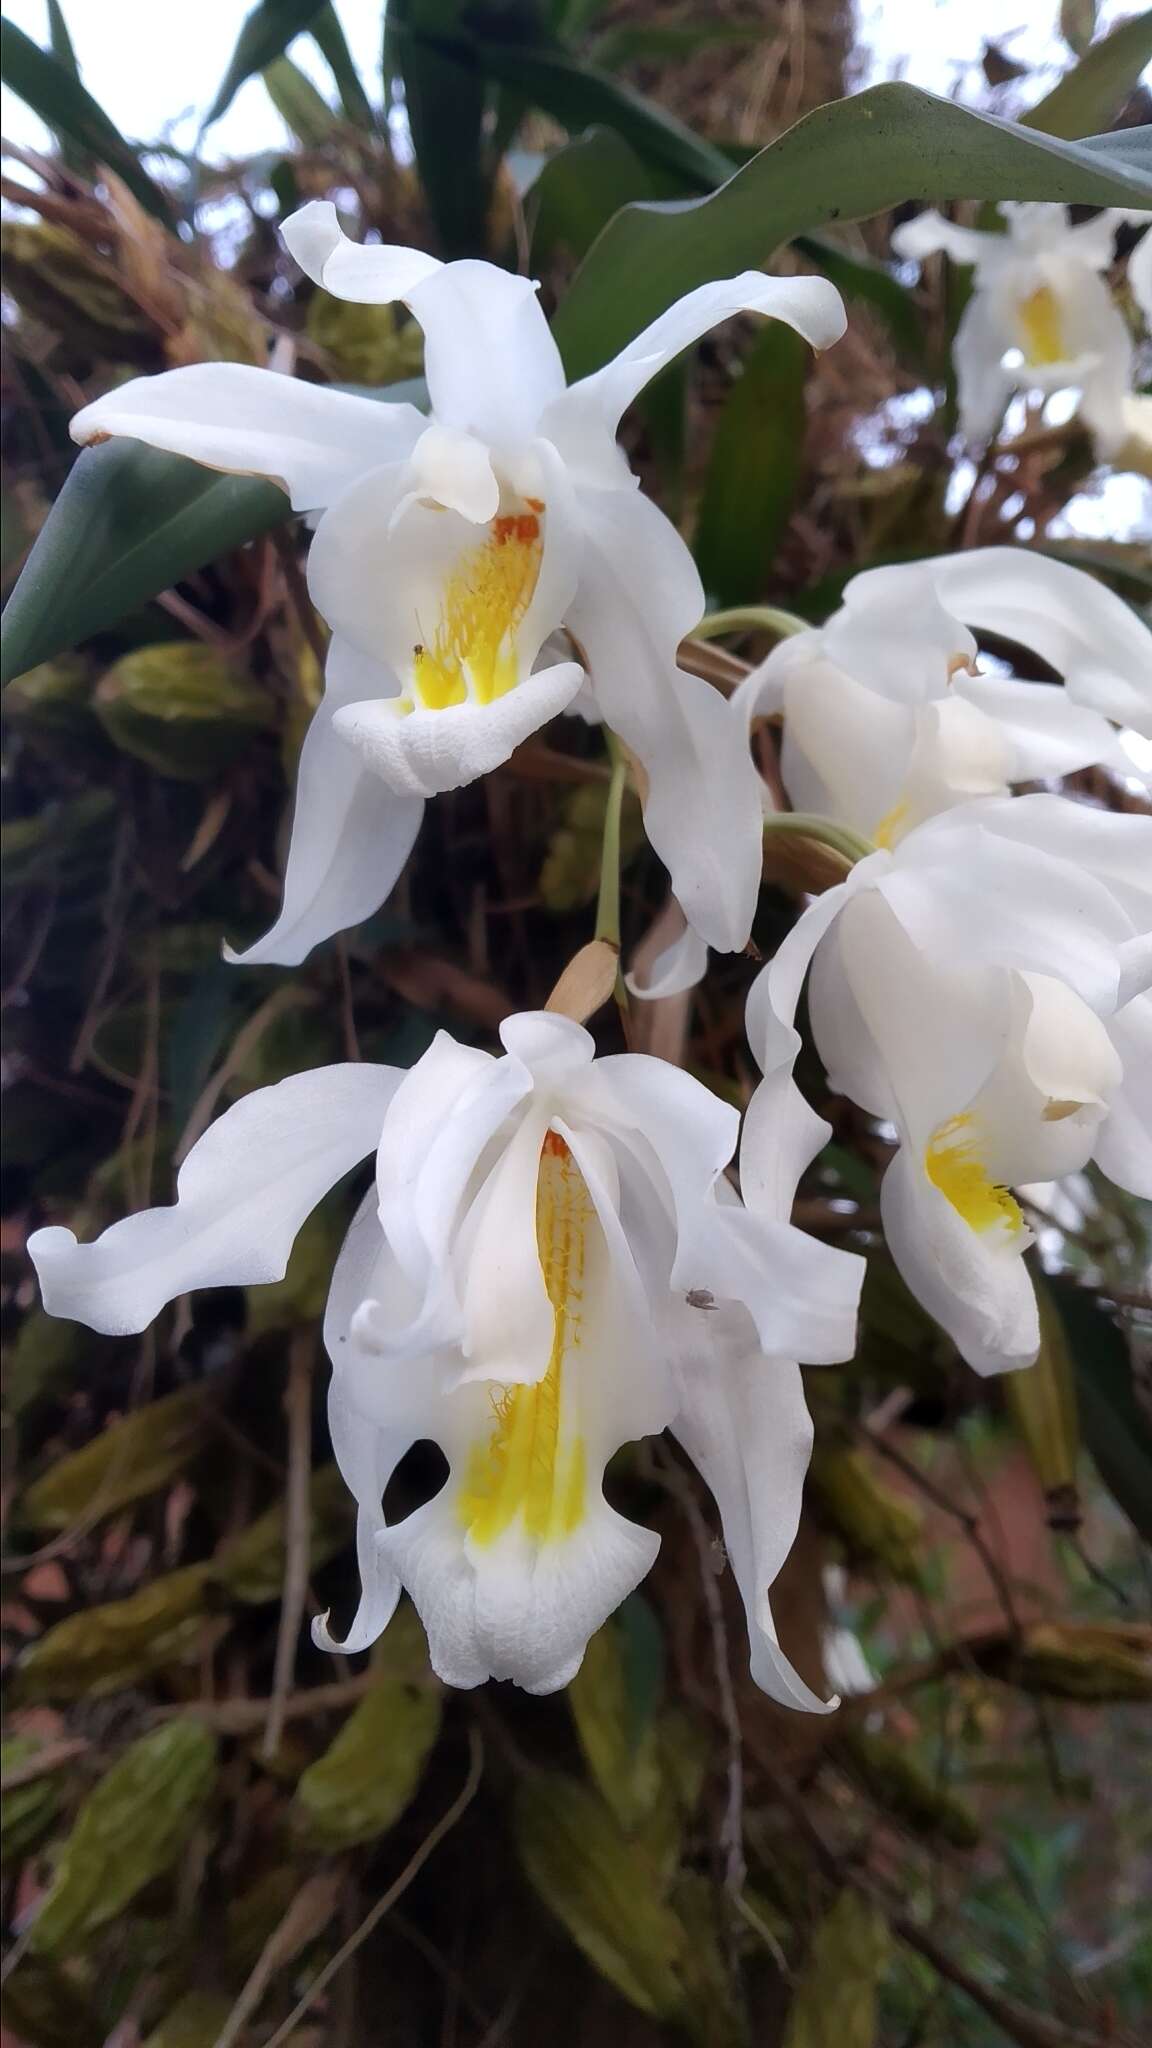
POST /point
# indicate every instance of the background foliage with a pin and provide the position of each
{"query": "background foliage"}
(212, 1834)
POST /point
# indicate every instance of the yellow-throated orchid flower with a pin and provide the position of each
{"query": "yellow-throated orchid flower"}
(450, 548)
(985, 989)
(888, 720)
(550, 1264)
(1040, 318)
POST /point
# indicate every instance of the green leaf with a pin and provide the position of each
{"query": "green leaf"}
(105, 1649)
(141, 1454)
(445, 98)
(1092, 93)
(857, 157)
(129, 522)
(265, 35)
(599, 1885)
(578, 95)
(755, 468)
(51, 87)
(581, 187)
(130, 1830)
(27, 1811)
(835, 2001)
(60, 40)
(362, 1784)
(182, 709)
(304, 112)
(1042, 1404)
(1113, 1421)
(330, 40)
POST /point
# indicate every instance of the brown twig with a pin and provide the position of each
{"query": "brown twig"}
(395, 1891)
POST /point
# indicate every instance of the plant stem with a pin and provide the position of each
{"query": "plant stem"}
(808, 825)
(745, 617)
(608, 903)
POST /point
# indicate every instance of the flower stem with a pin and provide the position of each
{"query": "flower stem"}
(808, 825)
(745, 617)
(608, 903)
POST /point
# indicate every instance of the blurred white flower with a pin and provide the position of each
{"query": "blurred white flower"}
(985, 990)
(1040, 318)
(550, 1264)
(450, 548)
(888, 720)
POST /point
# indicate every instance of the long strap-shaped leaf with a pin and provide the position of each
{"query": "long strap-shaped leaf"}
(853, 158)
(266, 33)
(52, 89)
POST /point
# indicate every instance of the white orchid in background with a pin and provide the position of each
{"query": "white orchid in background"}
(888, 720)
(985, 989)
(448, 551)
(1040, 318)
(551, 1264)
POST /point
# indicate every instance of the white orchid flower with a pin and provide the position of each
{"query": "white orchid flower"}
(887, 718)
(984, 989)
(449, 549)
(550, 1265)
(1040, 318)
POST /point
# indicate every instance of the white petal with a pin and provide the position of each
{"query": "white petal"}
(490, 362)
(1036, 1116)
(958, 753)
(745, 1427)
(1080, 628)
(508, 1316)
(552, 1048)
(983, 385)
(894, 633)
(1140, 276)
(846, 748)
(426, 752)
(516, 1611)
(371, 274)
(456, 470)
(929, 232)
(974, 1283)
(1050, 735)
(639, 594)
(350, 834)
(965, 889)
(1113, 848)
(584, 420)
(311, 441)
(242, 1194)
(679, 966)
(1124, 1141)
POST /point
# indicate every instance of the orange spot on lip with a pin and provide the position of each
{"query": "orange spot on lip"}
(519, 526)
(555, 1145)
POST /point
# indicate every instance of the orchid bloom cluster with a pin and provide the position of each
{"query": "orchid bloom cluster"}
(1040, 317)
(552, 1261)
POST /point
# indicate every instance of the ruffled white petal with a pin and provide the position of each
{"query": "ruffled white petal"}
(1080, 628)
(681, 965)
(516, 1611)
(350, 834)
(423, 753)
(1048, 733)
(242, 1194)
(743, 1423)
(374, 274)
(983, 386)
(311, 441)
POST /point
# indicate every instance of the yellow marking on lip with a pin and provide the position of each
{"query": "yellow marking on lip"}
(891, 825)
(1041, 328)
(471, 655)
(952, 1165)
(531, 1468)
